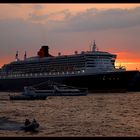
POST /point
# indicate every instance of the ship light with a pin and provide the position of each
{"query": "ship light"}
(83, 70)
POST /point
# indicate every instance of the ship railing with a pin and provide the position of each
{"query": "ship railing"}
(14, 75)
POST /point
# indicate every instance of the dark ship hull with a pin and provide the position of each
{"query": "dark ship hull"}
(136, 83)
(106, 82)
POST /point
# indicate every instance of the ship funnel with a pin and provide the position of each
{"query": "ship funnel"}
(44, 51)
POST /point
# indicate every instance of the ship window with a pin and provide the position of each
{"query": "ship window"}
(90, 66)
(78, 71)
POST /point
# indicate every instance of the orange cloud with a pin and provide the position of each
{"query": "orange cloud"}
(23, 10)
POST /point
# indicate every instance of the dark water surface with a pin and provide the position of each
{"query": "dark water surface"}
(114, 114)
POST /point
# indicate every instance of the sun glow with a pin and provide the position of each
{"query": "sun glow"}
(129, 65)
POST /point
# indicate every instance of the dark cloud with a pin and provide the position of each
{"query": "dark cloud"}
(93, 20)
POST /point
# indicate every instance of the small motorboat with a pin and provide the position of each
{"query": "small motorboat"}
(32, 127)
(23, 97)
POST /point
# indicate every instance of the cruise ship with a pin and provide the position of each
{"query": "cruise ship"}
(92, 69)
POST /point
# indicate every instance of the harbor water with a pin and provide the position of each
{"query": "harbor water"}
(97, 114)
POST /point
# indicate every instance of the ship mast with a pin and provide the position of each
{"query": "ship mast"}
(16, 57)
(94, 46)
(25, 55)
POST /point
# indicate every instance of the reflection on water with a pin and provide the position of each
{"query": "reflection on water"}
(115, 114)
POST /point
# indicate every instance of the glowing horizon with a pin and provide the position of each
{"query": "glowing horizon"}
(133, 64)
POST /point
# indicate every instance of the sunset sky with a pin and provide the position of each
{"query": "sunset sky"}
(69, 27)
